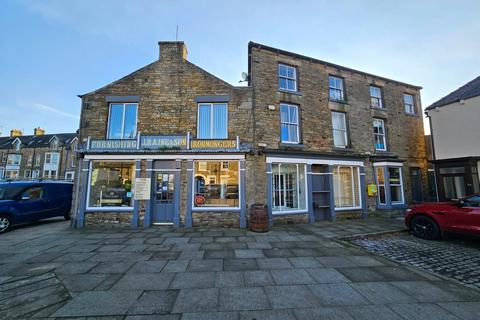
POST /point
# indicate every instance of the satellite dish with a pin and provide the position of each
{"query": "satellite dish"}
(244, 76)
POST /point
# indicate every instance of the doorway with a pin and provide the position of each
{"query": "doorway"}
(416, 185)
(164, 197)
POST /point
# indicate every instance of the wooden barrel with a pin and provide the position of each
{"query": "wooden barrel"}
(258, 218)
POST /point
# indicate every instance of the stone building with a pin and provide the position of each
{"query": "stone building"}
(171, 143)
(37, 156)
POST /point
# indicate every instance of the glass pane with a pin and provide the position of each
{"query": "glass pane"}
(293, 133)
(288, 187)
(282, 83)
(130, 127)
(291, 84)
(204, 119)
(396, 194)
(293, 110)
(284, 133)
(115, 122)
(111, 184)
(291, 72)
(394, 175)
(220, 121)
(284, 113)
(380, 176)
(339, 138)
(215, 185)
(459, 186)
(331, 82)
(282, 70)
(449, 187)
(381, 195)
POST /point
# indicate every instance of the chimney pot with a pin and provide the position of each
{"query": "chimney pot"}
(16, 133)
(38, 131)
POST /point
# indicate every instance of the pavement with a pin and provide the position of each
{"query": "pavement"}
(292, 272)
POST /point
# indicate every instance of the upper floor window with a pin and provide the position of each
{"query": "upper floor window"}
(4, 157)
(336, 88)
(376, 97)
(339, 124)
(18, 144)
(212, 121)
(287, 77)
(122, 123)
(14, 159)
(379, 134)
(54, 144)
(51, 158)
(409, 103)
(289, 123)
(37, 160)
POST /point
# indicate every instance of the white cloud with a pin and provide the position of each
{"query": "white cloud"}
(46, 108)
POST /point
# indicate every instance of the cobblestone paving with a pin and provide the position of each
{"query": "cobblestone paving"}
(457, 258)
(48, 271)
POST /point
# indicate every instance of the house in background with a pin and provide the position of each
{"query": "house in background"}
(46, 156)
(455, 127)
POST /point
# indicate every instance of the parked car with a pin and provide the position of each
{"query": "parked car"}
(431, 220)
(22, 202)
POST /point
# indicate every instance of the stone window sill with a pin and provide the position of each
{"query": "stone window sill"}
(291, 145)
(338, 101)
(296, 93)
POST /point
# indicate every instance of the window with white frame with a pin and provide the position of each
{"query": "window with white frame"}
(30, 160)
(11, 174)
(36, 173)
(339, 124)
(287, 77)
(409, 103)
(27, 174)
(381, 191)
(212, 121)
(396, 185)
(111, 184)
(52, 157)
(379, 134)
(54, 144)
(4, 157)
(122, 121)
(50, 174)
(376, 100)
(289, 187)
(289, 127)
(69, 175)
(14, 159)
(346, 187)
(336, 88)
(38, 158)
(216, 185)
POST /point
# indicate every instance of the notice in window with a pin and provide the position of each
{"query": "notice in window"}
(142, 188)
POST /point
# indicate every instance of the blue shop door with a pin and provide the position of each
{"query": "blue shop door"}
(164, 202)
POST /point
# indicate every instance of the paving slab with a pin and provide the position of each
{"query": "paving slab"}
(235, 299)
(258, 278)
(239, 264)
(337, 294)
(98, 303)
(211, 316)
(150, 266)
(369, 312)
(154, 302)
(248, 253)
(186, 280)
(146, 281)
(288, 297)
(327, 275)
(322, 313)
(205, 265)
(463, 310)
(291, 276)
(421, 311)
(267, 315)
(274, 263)
(196, 300)
(382, 292)
(229, 279)
(304, 262)
(176, 266)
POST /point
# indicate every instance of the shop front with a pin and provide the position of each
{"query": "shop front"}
(314, 188)
(457, 178)
(162, 180)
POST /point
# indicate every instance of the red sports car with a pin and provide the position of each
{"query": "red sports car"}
(431, 220)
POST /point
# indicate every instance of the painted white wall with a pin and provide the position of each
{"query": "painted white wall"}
(456, 129)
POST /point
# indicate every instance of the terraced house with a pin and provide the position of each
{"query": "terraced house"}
(171, 143)
(37, 156)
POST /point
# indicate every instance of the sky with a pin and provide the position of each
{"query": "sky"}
(53, 50)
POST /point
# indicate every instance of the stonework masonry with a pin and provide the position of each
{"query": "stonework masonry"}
(168, 90)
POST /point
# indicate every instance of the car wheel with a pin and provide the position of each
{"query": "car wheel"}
(5, 223)
(425, 228)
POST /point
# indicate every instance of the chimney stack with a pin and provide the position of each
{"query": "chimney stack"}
(172, 50)
(38, 131)
(16, 133)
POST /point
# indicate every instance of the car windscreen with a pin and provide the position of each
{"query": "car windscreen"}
(10, 192)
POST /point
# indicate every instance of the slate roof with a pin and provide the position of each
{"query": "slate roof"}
(33, 141)
(467, 91)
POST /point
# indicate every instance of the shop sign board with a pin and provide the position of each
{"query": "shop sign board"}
(213, 144)
(163, 142)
